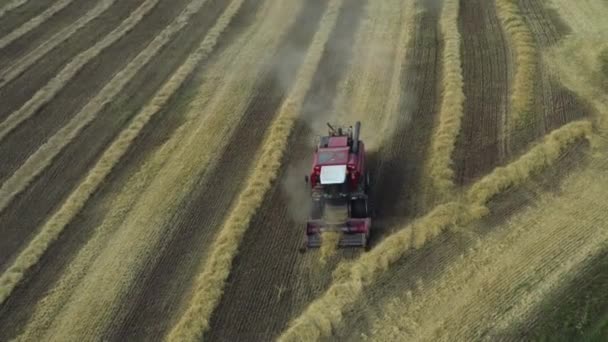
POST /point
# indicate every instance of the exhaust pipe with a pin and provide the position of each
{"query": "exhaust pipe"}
(356, 137)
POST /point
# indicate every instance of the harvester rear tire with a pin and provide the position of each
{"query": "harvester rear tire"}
(359, 208)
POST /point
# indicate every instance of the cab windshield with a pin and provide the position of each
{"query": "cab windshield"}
(333, 157)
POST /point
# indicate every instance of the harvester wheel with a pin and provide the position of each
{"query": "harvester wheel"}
(359, 208)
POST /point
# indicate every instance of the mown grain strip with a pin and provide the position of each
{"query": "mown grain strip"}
(22, 64)
(525, 52)
(209, 286)
(326, 313)
(43, 157)
(52, 88)
(452, 102)
(33, 23)
(74, 203)
(11, 5)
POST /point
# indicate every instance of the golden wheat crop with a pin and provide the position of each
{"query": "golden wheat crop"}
(52, 88)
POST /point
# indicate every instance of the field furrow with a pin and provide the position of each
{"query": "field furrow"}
(486, 59)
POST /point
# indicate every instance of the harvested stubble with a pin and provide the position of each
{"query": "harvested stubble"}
(52, 88)
(210, 283)
(13, 71)
(151, 194)
(452, 103)
(77, 199)
(34, 22)
(325, 313)
(11, 5)
(525, 62)
(44, 156)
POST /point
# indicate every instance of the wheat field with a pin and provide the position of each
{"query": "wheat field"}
(152, 155)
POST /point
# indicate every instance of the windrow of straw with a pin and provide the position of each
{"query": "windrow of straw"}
(44, 156)
(452, 102)
(20, 66)
(110, 158)
(11, 5)
(140, 215)
(525, 51)
(52, 88)
(34, 22)
(324, 314)
(210, 283)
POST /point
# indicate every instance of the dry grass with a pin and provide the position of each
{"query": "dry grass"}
(209, 285)
(452, 103)
(52, 88)
(13, 71)
(44, 156)
(11, 5)
(74, 203)
(325, 313)
(32, 23)
(525, 52)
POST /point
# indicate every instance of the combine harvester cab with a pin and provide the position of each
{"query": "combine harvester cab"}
(339, 184)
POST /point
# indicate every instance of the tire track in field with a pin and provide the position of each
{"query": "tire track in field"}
(485, 58)
(83, 240)
(112, 155)
(17, 68)
(34, 22)
(13, 224)
(42, 158)
(272, 239)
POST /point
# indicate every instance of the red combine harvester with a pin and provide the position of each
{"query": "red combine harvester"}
(339, 184)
